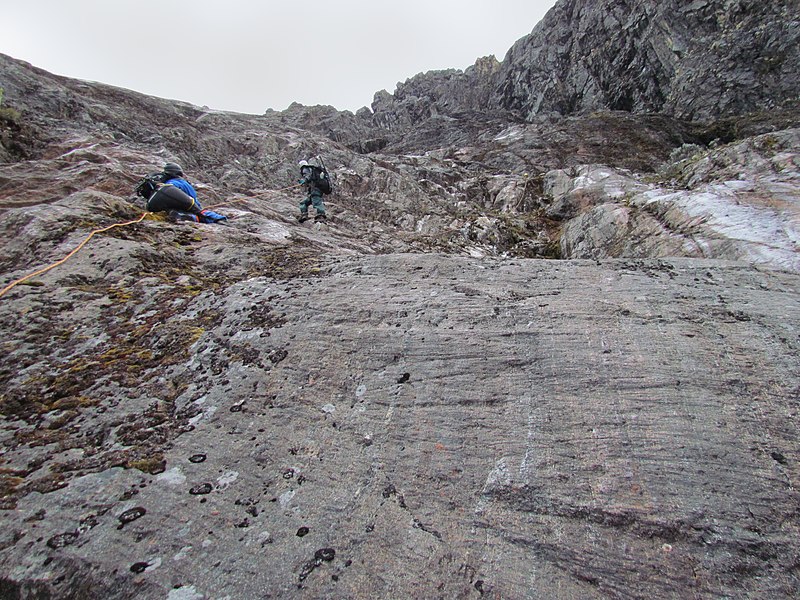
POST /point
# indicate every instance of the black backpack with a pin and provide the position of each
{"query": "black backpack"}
(322, 180)
(149, 185)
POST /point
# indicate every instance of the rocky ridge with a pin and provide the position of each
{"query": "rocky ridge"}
(402, 403)
(698, 60)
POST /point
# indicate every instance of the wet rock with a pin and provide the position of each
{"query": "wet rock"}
(743, 210)
(687, 59)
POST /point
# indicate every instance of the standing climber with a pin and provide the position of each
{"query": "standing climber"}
(169, 192)
(317, 183)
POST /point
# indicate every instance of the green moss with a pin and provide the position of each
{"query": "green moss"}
(126, 354)
(120, 294)
(769, 143)
(193, 334)
(151, 464)
(8, 115)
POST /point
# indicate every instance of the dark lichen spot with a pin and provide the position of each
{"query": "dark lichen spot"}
(303, 531)
(128, 494)
(200, 489)
(131, 515)
(63, 539)
(39, 515)
(326, 554)
(778, 458)
(87, 523)
(278, 356)
(139, 567)
(320, 556)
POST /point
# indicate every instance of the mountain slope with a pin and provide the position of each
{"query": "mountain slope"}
(402, 403)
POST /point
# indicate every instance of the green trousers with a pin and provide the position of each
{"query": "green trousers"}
(315, 200)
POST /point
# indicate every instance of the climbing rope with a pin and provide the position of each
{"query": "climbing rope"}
(15, 283)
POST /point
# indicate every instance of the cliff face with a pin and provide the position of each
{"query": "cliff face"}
(436, 93)
(409, 401)
(696, 60)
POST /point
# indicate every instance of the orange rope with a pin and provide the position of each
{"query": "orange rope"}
(13, 284)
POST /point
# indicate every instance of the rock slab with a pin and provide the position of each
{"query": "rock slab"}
(429, 426)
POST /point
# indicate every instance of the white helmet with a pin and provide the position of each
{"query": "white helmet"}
(303, 163)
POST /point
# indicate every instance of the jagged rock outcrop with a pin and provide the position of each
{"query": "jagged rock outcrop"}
(435, 93)
(399, 403)
(698, 60)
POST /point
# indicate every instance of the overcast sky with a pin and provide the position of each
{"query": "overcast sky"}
(247, 56)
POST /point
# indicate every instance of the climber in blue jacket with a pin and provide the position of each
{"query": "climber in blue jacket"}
(173, 175)
(178, 198)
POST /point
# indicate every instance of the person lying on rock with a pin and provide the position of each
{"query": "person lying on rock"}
(171, 193)
(314, 178)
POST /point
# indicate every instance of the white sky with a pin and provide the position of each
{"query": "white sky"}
(247, 56)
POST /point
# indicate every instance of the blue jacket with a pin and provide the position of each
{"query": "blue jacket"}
(184, 186)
